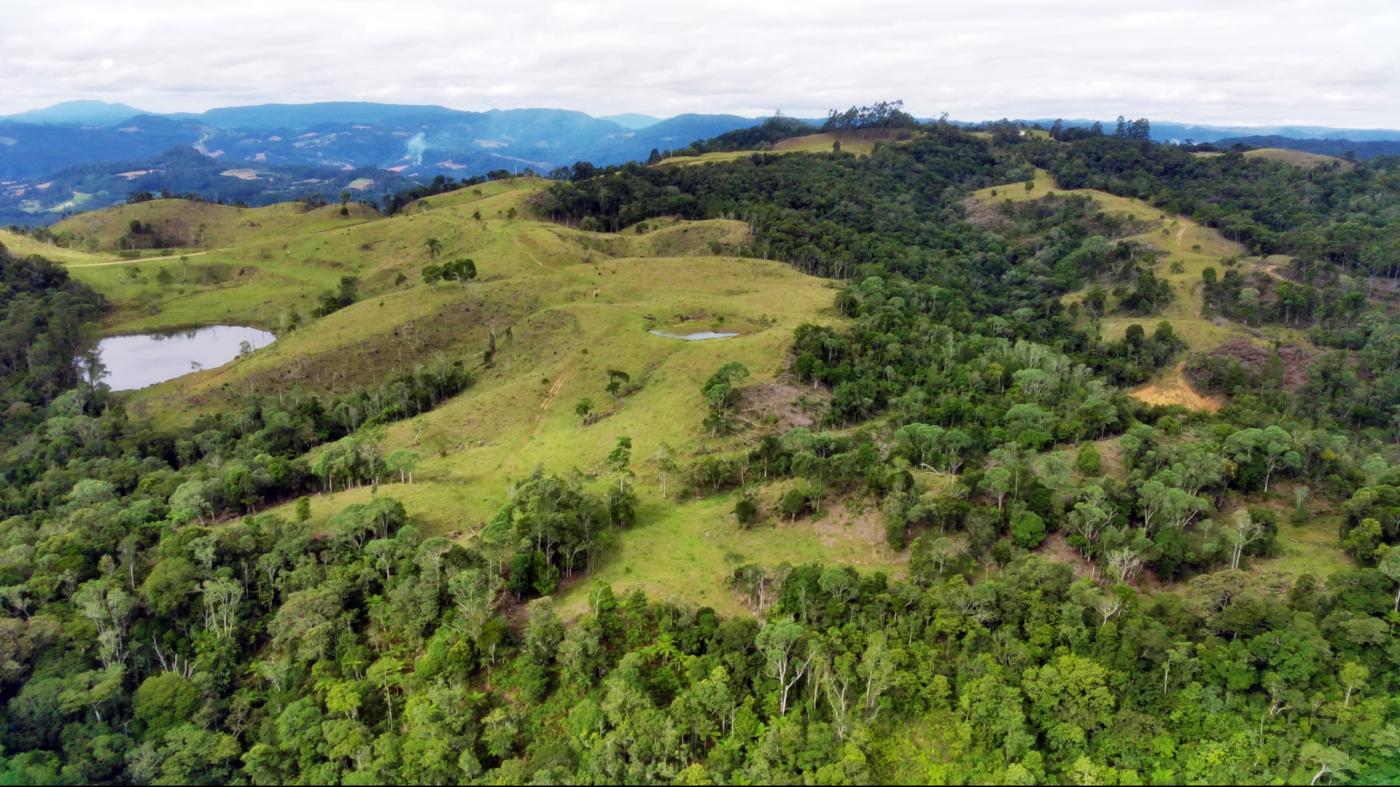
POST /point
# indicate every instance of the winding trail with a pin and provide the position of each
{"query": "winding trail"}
(137, 260)
(549, 397)
(528, 253)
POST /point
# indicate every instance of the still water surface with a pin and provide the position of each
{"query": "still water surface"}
(148, 358)
(698, 336)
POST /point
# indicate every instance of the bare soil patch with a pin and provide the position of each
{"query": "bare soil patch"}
(1058, 549)
(782, 406)
(840, 520)
(1296, 360)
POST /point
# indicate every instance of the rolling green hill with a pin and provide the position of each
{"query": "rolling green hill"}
(575, 303)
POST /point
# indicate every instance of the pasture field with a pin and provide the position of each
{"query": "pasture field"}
(566, 306)
(1298, 158)
(859, 145)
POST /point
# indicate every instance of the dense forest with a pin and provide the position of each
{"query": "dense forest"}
(162, 626)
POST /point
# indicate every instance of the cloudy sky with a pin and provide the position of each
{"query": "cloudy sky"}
(1332, 62)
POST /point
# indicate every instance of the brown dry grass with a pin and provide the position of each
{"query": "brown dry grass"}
(1172, 388)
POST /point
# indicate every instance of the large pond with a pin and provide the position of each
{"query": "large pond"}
(698, 336)
(146, 359)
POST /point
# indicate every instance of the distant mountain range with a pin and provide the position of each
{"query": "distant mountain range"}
(83, 113)
(1166, 131)
(82, 155)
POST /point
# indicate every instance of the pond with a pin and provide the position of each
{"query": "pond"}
(140, 360)
(698, 336)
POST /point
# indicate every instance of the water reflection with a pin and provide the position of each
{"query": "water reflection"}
(698, 336)
(140, 360)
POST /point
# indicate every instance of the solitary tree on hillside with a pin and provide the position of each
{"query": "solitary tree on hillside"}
(665, 461)
(434, 246)
(620, 461)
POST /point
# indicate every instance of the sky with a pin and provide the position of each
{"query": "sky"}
(1241, 62)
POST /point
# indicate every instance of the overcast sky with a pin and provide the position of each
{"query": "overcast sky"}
(1210, 61)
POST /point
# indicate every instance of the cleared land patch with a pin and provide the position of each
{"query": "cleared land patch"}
(860, 143)
(1187, 248)
(1171, 387)
(1298, 158)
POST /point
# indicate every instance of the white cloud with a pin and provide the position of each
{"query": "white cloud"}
(1240, 61)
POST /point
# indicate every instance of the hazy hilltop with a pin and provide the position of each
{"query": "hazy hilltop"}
(632, 120)
(80, 113)
(41, 151)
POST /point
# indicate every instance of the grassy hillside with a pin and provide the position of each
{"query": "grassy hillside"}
(1297, 158)
(24, 245)
(191, 224)
(566, 306)
(861, 145)
(1187, 248)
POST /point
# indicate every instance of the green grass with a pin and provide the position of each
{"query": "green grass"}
(576, 304)
(437, 509)
(202, 224)
(686, 552)
(23, 246)
(1310, 548)
(811, 143)
(1297, 158)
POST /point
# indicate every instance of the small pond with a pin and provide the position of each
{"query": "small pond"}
(140, 360)
(698, 336)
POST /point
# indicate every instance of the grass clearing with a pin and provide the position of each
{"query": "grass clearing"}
(1298, 158)
(567, 306)
(1311, 548)
(858, 144)
(686, 552)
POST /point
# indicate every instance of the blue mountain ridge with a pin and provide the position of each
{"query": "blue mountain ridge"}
(83, 152)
